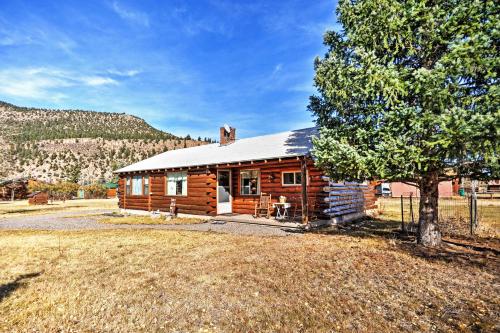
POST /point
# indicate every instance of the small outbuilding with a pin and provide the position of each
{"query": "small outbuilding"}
(111, 189)
(38, 198)
(14, 189)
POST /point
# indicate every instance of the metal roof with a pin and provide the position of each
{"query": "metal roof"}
(279, 145)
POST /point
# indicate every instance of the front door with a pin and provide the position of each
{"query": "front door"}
(224, 197)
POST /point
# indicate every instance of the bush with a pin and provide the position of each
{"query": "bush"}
(95, 191)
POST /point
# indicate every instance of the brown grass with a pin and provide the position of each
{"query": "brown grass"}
(22, 208)
(488, 213)
(151, 280)
(147, 220)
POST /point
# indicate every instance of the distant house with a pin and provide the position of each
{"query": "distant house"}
(38, 198)
(494, 186)
(446, 189)
(226, 177)
(111, 189)
(14, 189)
(80, 194)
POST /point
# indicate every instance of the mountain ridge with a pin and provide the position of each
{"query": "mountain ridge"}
(77, 145)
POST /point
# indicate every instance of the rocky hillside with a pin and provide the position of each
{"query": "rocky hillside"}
(84, 146)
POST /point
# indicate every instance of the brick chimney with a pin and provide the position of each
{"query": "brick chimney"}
(227, 137)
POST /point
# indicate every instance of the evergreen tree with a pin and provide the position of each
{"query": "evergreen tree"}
(409, 92)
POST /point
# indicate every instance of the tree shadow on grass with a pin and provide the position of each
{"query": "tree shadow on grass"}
(367, 228)
(8, 288)
(465, 252)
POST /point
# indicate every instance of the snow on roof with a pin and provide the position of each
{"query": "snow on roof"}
(279, 145)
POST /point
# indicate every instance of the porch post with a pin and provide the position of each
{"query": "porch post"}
(305, 206)
(124, 182)
(149, 201)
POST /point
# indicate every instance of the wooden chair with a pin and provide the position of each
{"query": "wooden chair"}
(296, 209)
(264, 206)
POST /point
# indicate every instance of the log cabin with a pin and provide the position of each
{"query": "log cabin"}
(228, 177)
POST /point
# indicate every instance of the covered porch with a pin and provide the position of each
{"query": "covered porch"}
(292, 183)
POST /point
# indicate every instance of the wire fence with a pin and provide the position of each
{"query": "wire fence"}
(457, 216)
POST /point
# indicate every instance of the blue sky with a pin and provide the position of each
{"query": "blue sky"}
(184, 66)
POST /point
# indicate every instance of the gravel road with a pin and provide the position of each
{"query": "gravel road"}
(88, 220)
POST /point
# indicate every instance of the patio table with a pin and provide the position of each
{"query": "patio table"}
(281, 209)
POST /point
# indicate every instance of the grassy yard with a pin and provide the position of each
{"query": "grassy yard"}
(362, 280)
(22, 208)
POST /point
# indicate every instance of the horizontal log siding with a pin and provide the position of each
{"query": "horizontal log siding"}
(121, 191)
(200, 199)
(245, 204)
(202, 192)
(370, 198)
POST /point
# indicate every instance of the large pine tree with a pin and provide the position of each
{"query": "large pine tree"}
(408, 91)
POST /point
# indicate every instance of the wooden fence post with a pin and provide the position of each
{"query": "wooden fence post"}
(475, 211)
(411, 211)
(402, 215)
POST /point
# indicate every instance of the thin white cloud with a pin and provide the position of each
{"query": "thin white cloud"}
(35, 31)
(132, 16)
(46, 83)
(127, 73)
(97, 80)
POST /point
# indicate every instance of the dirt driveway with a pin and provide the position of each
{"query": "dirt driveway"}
(89, 220)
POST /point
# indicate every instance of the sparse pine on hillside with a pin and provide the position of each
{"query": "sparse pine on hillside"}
(51, 145)
(29, 124)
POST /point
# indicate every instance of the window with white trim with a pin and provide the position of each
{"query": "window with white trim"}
(176, 183)
(137, 185)
(127, 185)
(292, 178)
(146, 185)
(250, 182)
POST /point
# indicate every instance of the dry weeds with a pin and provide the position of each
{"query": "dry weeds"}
(151, 280)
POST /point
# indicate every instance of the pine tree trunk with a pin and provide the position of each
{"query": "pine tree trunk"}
(428, 228)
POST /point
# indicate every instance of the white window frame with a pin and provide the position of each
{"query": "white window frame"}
(258, 182)
(146, 184)
(174, 177)
(294, 178)
(139, 177)
(128, 186)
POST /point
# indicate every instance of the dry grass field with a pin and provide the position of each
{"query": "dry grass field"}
(362, 280)
(22, 208)
(488, 213)
(147, 220)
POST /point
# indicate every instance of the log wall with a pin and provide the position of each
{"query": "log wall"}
(271, 183)
(348, 198)
(201, 196)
